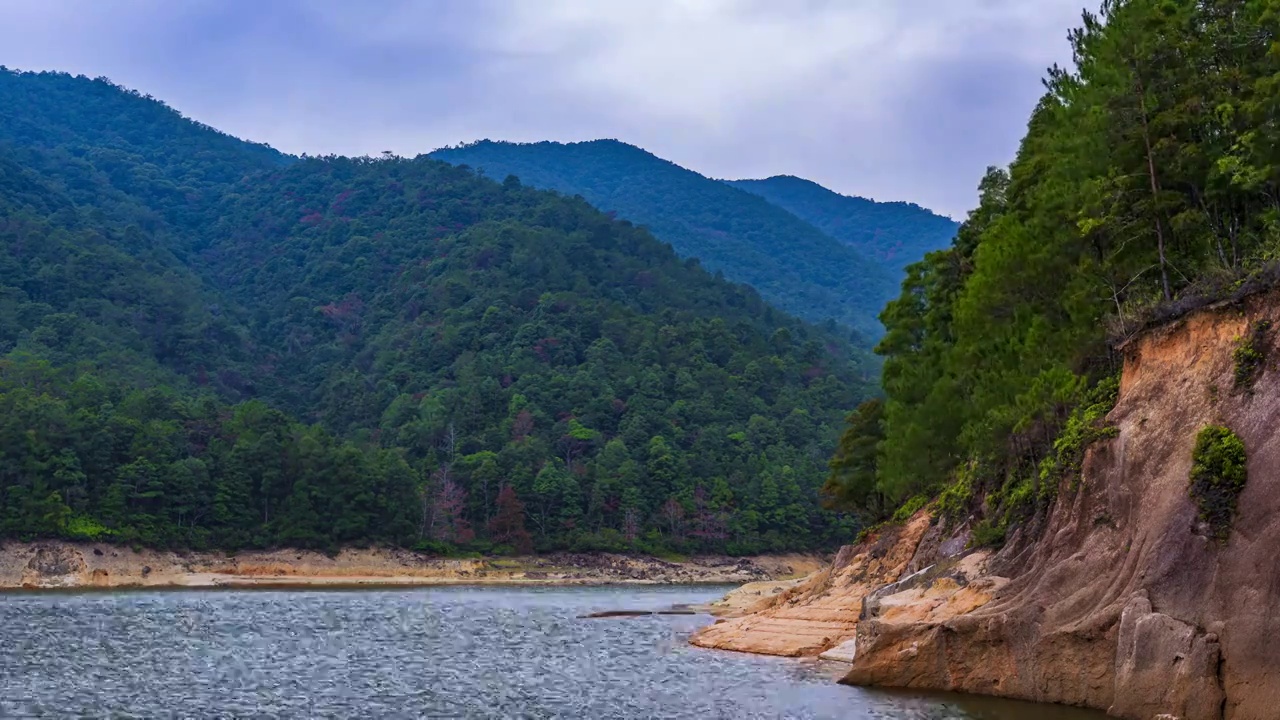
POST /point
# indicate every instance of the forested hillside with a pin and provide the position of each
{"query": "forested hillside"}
(895, 234)
(795, 266)
(1148, 184)
(98, 134)
(208, 344)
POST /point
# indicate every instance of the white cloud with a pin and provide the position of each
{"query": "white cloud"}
(701, 62)
(868, 97)
(894, 99)
(709, 60)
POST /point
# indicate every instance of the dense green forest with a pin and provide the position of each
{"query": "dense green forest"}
(795, 266)
(97, 136)
(1148, 184)
(206, 343)
(895, 234)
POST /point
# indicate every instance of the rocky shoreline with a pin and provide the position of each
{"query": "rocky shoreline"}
(66, 565)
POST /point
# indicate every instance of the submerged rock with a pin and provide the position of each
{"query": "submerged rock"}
(617, 613)
(637, 613)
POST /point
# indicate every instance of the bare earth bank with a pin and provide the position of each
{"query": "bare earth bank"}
(54, 564)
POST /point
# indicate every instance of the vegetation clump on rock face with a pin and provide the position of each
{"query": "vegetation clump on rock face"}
(1086, 425)
(1250, 354)
(954, 500)
(1020, 498)
(1218, 474)
(910, 508)
(988, 534)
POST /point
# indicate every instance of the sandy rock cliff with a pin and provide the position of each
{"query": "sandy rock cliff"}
(1118, 599)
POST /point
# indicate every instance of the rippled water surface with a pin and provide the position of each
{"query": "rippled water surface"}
(439, 652)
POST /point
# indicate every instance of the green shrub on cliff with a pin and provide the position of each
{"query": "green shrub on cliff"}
(910, 508)
(1086, 426)
(987, 534)
(954, 501)
(1218, 474)
(85, 528)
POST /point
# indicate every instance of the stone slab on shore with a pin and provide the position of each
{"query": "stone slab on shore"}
(820, 612)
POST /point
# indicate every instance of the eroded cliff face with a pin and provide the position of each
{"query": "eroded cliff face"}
(1119, 599)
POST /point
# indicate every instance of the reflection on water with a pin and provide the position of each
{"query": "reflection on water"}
(415, 653)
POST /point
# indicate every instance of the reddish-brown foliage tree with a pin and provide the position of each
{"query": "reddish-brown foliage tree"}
(522, 426)
(507, 525)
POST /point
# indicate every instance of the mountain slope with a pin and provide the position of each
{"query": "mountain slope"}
(118, 369)
(895, 234)
(321, 352)
(792, 264)
(101, 281)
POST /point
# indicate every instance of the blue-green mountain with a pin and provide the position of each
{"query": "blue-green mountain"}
(791, 261)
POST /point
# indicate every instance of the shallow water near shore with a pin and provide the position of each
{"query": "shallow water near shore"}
(481, 652)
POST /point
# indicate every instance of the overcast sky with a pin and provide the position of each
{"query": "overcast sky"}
(889, 99)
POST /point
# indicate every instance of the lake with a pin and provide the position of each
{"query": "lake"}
(491, 652)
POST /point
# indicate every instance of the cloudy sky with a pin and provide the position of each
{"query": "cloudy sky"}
(890, 99)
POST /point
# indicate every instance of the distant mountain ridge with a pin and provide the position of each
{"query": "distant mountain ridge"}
(894, 233)
(792, 263)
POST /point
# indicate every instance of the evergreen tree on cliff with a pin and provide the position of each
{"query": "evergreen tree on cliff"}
(1148, 183)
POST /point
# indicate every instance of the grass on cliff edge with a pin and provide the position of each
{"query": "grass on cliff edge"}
(1250, 354)
(1017, 497)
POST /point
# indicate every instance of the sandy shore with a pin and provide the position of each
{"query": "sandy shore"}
(49, 565)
